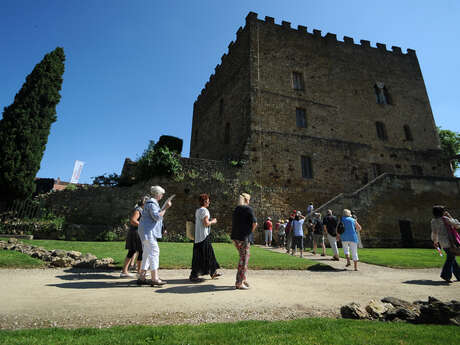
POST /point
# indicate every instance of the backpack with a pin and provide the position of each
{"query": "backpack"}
(340, 227)
(318, 227)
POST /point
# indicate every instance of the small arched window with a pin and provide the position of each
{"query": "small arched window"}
(381, 93)
(381, 130)
(408, 133)
(221, 106)
(227, 134)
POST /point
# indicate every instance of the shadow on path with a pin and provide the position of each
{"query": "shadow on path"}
(95, 285)
(195, 288)
(427, 282)
(87, 276)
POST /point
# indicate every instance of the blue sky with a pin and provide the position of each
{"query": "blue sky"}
(134, 68)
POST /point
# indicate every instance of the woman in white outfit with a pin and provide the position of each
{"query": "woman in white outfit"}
(149, 231)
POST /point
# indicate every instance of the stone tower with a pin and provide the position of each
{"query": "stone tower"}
(315, 116)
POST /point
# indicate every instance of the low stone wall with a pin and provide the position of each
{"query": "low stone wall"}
(395, 210)
(57, 257)
(385, 207)
(394, 309)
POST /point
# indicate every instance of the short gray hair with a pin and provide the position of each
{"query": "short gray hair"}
(156, 190)
(346, 212)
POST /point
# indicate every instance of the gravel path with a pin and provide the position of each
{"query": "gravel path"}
(76, 298)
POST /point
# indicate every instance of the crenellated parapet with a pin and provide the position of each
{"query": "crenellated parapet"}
(329, 37)
(229, 58)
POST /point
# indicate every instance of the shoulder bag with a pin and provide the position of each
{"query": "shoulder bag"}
(454, 238)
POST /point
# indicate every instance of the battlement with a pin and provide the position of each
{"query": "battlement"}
(252, 17)
(329, 38)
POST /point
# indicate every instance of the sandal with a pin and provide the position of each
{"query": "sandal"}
(141, 281)
(158, 282)
(216, 275)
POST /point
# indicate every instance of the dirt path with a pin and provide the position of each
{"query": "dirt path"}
(73, 298)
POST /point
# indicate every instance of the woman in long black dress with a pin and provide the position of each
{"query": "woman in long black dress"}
(133, 242)
(204, 261)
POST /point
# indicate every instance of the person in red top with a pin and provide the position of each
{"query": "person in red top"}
(268, 228)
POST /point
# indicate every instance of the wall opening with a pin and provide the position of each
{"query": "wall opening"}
(405, 228)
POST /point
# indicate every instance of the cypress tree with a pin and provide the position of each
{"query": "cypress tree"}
(26, 125)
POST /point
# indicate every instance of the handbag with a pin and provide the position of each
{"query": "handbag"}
(340, 227)
(454, 238)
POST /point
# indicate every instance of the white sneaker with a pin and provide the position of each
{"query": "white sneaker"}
(126, 275)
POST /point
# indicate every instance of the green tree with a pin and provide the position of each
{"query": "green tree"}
(157, 160)
(450, 144)
(26, 125)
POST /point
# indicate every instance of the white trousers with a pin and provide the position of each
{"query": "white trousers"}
(150, 255)
(333, 243)
(353, 246)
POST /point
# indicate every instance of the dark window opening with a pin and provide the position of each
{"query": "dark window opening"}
(301, 118)
(408, 133)
(407, 240)
(381, 131)
(227, 134)
(376, 169)
(221, 107)
(307, 171)
(381, 93)
(297, 81)
(417, 170)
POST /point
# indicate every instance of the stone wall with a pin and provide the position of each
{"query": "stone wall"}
(391, 203)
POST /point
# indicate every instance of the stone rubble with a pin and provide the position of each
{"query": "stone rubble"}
(394, 309)
(57, 257)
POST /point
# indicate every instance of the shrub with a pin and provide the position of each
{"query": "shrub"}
(193, 174)
(157, 161)
(174, 237)
(220, 236)
(218, 176)
(111, 180)
(71, 186)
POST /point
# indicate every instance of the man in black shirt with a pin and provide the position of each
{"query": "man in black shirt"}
(244, 223)
(330, 227)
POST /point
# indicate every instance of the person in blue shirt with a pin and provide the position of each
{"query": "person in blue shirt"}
(297, 239)
(350, 238)
(149, 230)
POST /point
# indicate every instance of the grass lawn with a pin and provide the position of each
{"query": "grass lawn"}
(12, 259)
(398, 257)
(179, 255)
(302, 331)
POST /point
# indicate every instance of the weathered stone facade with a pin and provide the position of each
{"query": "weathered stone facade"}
(395, 210)
(273, 72)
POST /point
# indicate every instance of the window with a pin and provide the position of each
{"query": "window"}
(307, 171)
(377, 169)
(381, 93)
(297, 81)
(408, 133)
(381, 130)
(301, 118)
(417, 170)
(221, 107)
(227, 134)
